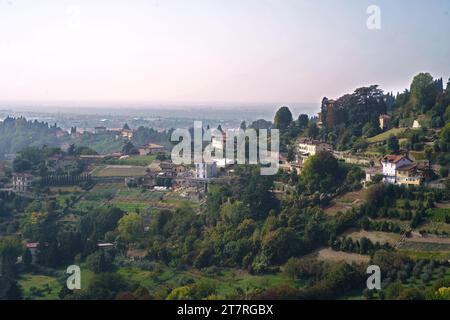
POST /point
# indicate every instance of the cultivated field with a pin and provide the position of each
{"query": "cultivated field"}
(425, 246)
(443, 205)
(346, 202)
(374, 236)
(429, 239)
(135, 161)
(132, 199)
(329, 255)
(120, 171)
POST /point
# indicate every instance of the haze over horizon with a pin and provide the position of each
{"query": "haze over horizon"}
(213, 53)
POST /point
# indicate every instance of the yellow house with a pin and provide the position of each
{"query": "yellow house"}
(384, 120)
(409, 175)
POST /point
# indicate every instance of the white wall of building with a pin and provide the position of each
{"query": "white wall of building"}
(205, 170)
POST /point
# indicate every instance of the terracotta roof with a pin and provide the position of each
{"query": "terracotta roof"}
(310, 141)
(392, 158)
(23, 175)
(154, 146)
(166, 165)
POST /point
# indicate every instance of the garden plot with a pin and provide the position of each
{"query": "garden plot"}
(329, 255)
(121, 171)
(375, 236)
(346, 202)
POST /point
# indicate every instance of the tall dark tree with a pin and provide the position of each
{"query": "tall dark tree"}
(129, 148)
(313, 130)
(393, 145)
(303, 121)
(283, 118)
(27, 258)
(71, 149)
(322, 173)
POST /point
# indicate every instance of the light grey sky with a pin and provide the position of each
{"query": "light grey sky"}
(215, 50)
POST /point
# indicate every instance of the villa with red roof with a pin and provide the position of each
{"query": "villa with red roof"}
(399, 169)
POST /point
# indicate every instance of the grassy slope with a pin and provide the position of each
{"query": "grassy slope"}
(385, 135)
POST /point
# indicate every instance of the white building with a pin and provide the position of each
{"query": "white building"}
(391, 165)
(22, 181)
(219, 143)
(416, 124)
(309, 147)
(100, 130)
(205, 170)
(371, 173)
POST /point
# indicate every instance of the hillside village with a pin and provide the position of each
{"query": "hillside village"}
(364, 180)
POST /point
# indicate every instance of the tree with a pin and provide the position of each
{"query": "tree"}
(202, 289)
(393, 144)
(411, 294)
(255, 191)
(142, 293)
(71, 149)
(18, 133)
(279, 245)
(445, 135)
(282, 292)
(9, 288)
(420, 90)
(364, 245)
(233, 213)
(130, 227)
(98, 262)
(416, 220)
(303, 121)
(98, 222)
(261, 124)
(291, 153)
(129, 148)
(429, 155)
(447, 113)
(126, 126)
(313, 130)
(180, 293)
(27, 258)
(389, 260)
(106, 286)
(283, 118)
(10, 248)
(322, 173)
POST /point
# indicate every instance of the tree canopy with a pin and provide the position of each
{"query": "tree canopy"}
(283, 118)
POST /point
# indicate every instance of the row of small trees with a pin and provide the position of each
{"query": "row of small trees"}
(63, 180)
(361, 246)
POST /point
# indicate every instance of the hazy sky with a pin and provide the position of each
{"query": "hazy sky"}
(215, 50)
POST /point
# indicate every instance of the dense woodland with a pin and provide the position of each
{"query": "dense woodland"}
(19, 133)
